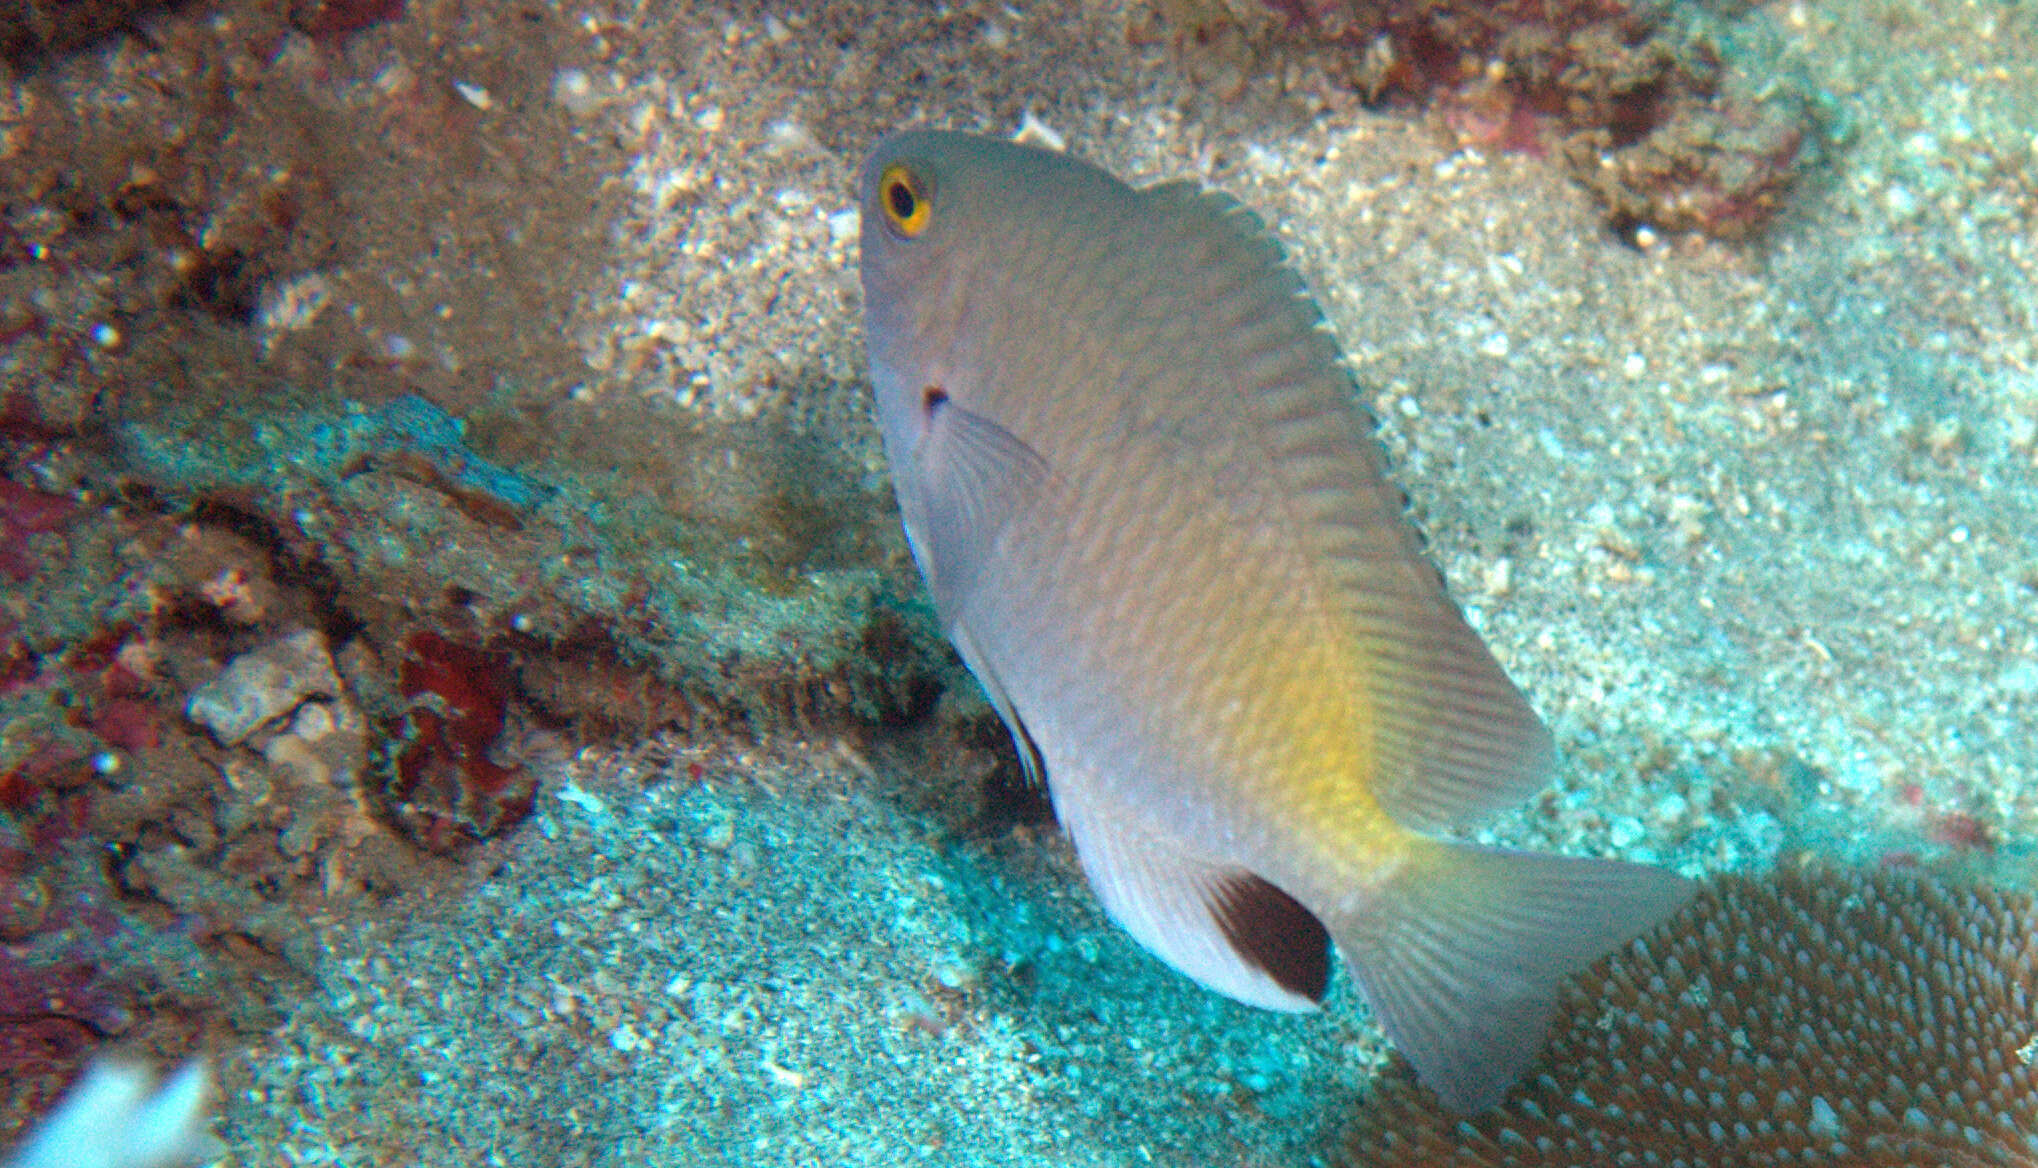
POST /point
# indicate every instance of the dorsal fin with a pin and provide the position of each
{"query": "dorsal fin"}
(1455, 740)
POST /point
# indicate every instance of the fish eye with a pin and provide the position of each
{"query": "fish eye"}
(906, 200)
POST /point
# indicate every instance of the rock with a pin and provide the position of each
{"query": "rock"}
(263, 686)
(325, 745)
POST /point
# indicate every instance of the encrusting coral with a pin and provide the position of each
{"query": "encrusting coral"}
(1668, 114)
(1804, 1017)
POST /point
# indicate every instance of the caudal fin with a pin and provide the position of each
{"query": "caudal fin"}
(1461, 955)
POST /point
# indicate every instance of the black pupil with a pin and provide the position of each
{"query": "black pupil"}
(902, 199)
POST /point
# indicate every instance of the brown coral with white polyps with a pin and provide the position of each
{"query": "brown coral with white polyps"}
(1834, 1018)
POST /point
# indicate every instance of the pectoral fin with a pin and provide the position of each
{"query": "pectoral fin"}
(972, 477)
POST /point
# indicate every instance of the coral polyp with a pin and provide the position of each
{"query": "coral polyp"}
(1882, 1021)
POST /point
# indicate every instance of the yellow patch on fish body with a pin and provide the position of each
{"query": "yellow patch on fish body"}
(1133, 471)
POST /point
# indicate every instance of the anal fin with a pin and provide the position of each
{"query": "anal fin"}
(1218, 923)
(1275, 933)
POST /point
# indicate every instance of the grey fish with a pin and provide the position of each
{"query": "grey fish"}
(1155, 524)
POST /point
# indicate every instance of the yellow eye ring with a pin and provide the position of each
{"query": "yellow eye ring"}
(906, 201)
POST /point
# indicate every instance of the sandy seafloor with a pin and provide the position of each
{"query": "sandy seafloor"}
(1754, 525)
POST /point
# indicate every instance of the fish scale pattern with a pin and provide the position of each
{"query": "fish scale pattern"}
(1806, 1017)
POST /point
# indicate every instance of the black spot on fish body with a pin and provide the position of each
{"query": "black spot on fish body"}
(932, 399)
(1273, 931)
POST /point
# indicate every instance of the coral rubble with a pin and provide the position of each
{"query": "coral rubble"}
(1662, 111)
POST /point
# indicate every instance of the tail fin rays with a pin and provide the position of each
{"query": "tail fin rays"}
(1462, 954)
